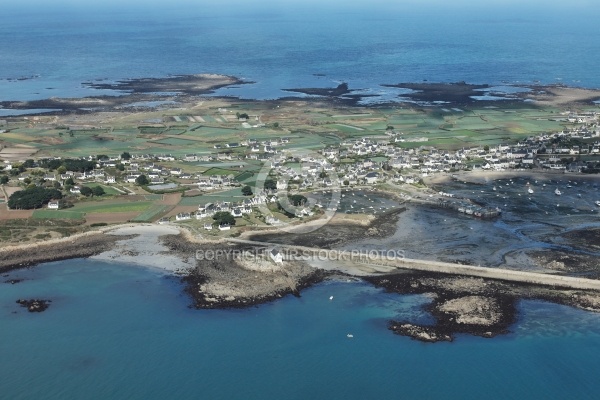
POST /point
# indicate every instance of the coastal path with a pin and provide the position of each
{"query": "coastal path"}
(381, 264)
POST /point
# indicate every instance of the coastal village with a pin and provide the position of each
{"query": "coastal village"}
(381, 162)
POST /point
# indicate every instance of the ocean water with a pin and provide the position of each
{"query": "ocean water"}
(125, 332)
(290, 44)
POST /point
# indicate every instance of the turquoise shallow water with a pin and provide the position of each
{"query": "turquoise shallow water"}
(125, 332)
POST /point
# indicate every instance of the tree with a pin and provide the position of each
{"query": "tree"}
(70, 181)
(3, 179)
(61, 170)
(389, 128)
(120, 167)
(33, 197)
(101, 157)
(270, 184)
(98, 191)
(86, 191)
(297, 200)
(276, 125)
(125, 156)
(223, 217)
(79, 165)
(486, 148)
(247, 190)
(322, 174)
(142, 180)
(51, 164)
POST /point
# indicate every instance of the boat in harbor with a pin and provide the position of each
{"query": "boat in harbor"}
(557, 192)
(530, 191)
(598, 203)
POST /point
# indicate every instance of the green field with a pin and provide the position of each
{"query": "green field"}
(107, 189)
(99, 207)
(229, 195)
(152, 213)
(220, 171)
(175, 142)
(58, 214)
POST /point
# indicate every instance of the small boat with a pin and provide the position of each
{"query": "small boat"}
(350, 335)
(494, 188)
(557, 192)
(530, 190)
(598, 203)
(330, 297)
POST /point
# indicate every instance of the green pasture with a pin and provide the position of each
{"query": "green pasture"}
(112, 207)
(228, 195)
(175, 142)
(58, 214)
(152, 213)
(107, 189)
(151, 130)
(175, 131)
(220, 171)
(244, 176)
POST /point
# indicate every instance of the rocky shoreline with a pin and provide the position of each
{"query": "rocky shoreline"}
(234, 281)
(334, 234)
(16, 257)
(467, 305)
(243, 275)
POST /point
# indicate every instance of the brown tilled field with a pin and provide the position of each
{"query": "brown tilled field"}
(5, 213)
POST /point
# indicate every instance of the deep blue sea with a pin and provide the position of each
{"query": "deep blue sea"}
(125, 332)
(116, 331)
(283, 44)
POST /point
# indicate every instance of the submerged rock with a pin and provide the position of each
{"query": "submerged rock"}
(35, 305)
(418, 332)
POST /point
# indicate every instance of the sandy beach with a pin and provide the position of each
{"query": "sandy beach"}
(141, 245)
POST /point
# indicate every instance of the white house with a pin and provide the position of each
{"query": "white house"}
(372, 177)
(276, 256)
(54, 205)
(183, 217)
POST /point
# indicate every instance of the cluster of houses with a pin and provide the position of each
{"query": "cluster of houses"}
(366, 160)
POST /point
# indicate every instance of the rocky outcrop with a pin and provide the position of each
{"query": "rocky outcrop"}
(35, 305)
(224, 280)
(82, 246)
